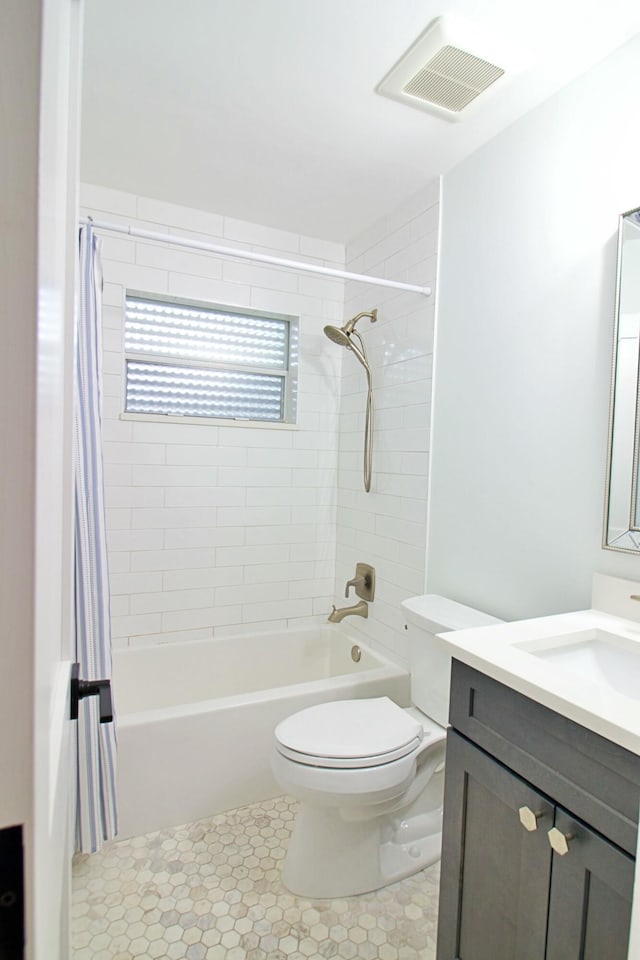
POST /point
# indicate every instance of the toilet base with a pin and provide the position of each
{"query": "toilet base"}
(329, 857)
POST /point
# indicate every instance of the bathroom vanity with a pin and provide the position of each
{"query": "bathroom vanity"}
(542, 790)
(515, 771)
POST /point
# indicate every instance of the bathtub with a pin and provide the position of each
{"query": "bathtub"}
(196, 720)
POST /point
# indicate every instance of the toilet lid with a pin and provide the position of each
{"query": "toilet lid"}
(349, 733)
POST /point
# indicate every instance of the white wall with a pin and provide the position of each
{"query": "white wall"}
(19, 71)
(386, 527)
(524, 340)
(219, 528)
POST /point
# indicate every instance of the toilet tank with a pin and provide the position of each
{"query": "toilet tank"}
(426, 616)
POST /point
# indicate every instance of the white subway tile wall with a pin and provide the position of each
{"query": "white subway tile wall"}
(221, 529)
(387, 527)
(215, 528)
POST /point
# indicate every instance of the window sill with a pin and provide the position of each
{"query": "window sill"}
(211, 421)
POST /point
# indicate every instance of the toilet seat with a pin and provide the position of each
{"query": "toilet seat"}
(349, 734)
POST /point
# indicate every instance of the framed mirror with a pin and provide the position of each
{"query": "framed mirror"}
(622, 497)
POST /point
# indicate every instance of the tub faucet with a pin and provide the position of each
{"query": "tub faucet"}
(357, 610)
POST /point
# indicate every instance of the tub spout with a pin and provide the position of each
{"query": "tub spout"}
(357, 610)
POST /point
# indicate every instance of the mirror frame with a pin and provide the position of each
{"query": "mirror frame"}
(621, 522)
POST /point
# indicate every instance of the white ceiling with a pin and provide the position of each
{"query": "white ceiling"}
(265, 110)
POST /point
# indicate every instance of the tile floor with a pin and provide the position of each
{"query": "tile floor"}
(211, 890)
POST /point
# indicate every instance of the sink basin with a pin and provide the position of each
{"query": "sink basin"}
(594, 656)
(584, 665)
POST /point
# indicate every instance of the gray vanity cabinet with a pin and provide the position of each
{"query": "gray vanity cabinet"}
(514, 770)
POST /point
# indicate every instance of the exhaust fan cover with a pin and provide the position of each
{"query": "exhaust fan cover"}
(444, 71)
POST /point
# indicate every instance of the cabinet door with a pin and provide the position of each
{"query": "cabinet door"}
(495, 874)
(591, 892)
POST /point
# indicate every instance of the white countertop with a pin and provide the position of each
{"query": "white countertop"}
(495, 651)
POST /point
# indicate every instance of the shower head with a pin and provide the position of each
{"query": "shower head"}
(342, 335)
(338, 335)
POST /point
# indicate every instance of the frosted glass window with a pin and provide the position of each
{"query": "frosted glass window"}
(195, 360)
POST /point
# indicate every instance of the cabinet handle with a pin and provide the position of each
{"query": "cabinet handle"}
(529, 819)
(559, 841)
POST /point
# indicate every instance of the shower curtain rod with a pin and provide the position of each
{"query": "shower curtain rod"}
(250, 255)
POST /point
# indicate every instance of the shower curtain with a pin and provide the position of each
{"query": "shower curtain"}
(96, 804)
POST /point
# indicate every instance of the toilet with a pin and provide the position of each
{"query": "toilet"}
(369, 774)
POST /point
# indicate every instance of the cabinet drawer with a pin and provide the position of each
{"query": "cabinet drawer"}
(595, 778)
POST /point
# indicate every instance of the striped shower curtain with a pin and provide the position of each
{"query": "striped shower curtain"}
(97, 815)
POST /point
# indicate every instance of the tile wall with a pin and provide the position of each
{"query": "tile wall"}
(386, 527)
(216, 528)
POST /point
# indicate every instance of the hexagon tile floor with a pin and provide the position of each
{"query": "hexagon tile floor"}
(211, 890)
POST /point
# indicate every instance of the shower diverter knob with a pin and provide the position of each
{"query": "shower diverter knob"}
(364, 582)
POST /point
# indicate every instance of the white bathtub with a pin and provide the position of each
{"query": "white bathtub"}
(196, 720)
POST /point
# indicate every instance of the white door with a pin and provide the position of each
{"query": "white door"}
(54, 734)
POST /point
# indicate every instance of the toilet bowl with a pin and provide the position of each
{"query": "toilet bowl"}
(365, 817)
(369, 774)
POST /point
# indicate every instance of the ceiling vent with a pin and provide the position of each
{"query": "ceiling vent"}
(444, 71)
